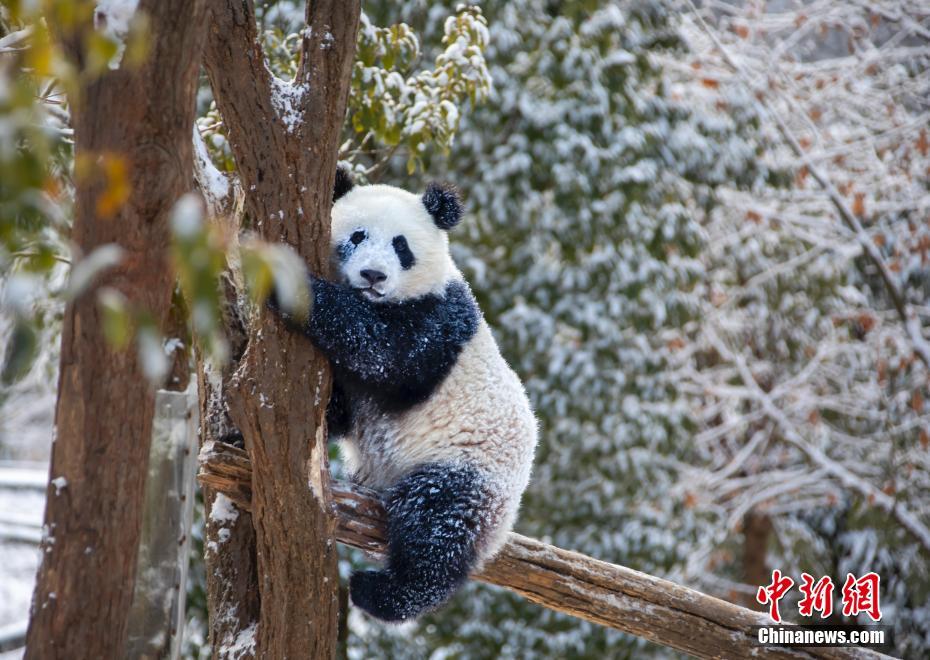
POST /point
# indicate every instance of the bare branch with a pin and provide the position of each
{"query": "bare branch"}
(874, 496)
(908, 316)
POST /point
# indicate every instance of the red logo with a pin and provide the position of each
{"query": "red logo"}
(862, 596)
(817, 596)
(774, 592)
(859, 595)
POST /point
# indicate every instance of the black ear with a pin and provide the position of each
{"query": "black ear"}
(443, 203)
(343, 183)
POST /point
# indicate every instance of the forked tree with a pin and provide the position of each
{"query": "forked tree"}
(285, 139)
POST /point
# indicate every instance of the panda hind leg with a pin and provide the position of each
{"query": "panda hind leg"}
(437, 517)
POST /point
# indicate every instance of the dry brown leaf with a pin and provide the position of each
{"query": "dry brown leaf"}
(917, 401)
(859, 204)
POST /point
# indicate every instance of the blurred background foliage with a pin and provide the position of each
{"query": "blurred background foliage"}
(627, 207)
(586, 186)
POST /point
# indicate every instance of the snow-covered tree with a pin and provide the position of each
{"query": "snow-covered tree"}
(808, 364)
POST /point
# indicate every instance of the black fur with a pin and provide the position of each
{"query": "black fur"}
(404, 253)
(343, 183)
(393, 354)
(345, 249)
(338, 413)
(442, 201)
(436, 517)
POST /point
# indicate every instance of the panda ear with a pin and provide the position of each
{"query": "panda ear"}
(343, 183)
(443, 203)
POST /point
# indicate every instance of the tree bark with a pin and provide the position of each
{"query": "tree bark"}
(569, 582)
(105, 405)
(285, 138)
(757, 530)
(232, 571)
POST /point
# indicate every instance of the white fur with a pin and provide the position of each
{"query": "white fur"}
(479, 415)
(385, 212)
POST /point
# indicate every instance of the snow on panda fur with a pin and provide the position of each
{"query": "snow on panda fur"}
(426, 410)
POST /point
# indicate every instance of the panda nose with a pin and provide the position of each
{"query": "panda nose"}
(373, 276)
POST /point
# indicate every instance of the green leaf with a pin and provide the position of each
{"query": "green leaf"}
(20, 353)
(116, 317)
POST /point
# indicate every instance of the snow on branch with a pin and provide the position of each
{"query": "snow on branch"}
(569, 582)
(216, 187)
(875, 496)
(763, 93)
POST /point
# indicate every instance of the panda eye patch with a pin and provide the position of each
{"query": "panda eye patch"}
(403, 252)
(357, 237)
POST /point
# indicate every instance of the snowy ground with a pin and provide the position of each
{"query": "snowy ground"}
(22, 500)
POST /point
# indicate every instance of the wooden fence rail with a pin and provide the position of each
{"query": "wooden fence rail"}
(607, 594)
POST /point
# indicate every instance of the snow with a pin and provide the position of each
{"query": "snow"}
(59, 483)
(213, 184)
(19, 291)
(113, 16)
(173, 344)
(242, 646)
(223, 510)
(22, 503)
(20, 475)
(288, 99)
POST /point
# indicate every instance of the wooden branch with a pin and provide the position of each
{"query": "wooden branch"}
(606, 594)
(13, 636)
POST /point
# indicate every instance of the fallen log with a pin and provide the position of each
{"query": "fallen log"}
(606, 594)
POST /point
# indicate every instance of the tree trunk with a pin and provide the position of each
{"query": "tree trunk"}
(286, 160)
(757, 529)
(105, 405)
(229, 535)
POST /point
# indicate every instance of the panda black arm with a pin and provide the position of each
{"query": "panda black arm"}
(401, 349)
(338, 413)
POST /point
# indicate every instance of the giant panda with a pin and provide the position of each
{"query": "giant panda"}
(425, 408)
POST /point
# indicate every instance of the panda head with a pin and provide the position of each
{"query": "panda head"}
(390, 244)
